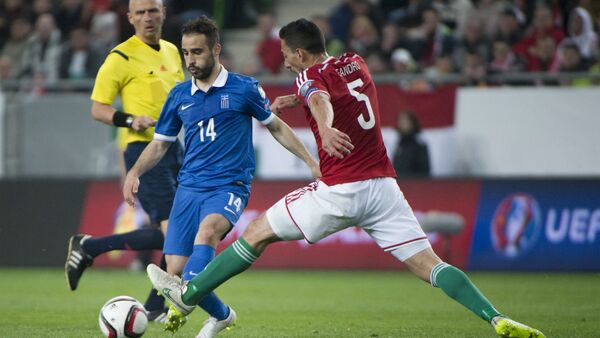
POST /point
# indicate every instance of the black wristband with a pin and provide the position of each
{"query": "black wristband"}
(122, 119)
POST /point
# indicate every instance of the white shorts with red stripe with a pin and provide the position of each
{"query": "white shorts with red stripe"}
(375, 205)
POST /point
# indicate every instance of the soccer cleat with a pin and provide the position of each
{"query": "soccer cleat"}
(174, 320)
(77, 260)
(508, 328)
(171, 287)
(158, 316)
(212, 326)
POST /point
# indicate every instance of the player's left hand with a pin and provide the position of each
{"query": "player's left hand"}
(130, 188)
(335, 143)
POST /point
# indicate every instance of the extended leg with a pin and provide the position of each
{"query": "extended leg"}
(455, 283)
(84, 248)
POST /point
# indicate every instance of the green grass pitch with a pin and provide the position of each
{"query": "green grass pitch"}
(37, 303)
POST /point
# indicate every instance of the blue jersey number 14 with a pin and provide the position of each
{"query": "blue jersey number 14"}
(210, 130)
(234, 202)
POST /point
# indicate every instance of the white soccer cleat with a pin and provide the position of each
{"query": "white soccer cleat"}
(212, 326)
(171, 287)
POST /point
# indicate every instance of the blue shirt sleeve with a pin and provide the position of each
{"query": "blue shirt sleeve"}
(169, 123)
(258, 103)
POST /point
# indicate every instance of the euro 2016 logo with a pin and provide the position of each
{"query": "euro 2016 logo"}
(516, 225)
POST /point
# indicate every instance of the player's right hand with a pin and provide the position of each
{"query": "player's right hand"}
(141, 123)
(316, 172)
(130, 188)
(283, 102)
(335, 143)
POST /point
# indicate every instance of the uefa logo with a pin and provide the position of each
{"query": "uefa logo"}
(516, 225)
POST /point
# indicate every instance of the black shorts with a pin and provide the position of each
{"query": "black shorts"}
(157, 186)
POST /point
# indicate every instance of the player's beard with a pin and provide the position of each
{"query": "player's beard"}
(204, 72)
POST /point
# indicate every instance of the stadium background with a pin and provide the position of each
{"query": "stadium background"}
(501, 144)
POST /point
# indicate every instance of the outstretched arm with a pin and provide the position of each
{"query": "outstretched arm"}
(334, 142)
(154, 151)
(288, 138)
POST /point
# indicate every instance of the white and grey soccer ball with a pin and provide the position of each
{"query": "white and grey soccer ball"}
(121, 317)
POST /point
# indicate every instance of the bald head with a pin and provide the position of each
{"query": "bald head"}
(136, 3)
(147, 17)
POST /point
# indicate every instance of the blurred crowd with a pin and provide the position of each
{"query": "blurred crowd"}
(48, 40)
(68, 39)
(470, 38)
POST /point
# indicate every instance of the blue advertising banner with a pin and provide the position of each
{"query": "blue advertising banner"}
(537, 225)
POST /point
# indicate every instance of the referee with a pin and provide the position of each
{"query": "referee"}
(142, 70)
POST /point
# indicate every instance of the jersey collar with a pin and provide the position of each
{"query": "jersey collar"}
(140, 42)
(327, 60)
(219, 81)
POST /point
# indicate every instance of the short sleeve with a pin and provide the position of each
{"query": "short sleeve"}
(169, 123)
(111, 77)
(309, 82)
(258, 103)
(181, 77)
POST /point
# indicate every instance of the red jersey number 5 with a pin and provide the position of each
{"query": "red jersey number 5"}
(370, 122)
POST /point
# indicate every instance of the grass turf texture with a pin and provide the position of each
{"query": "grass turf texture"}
(37, 303)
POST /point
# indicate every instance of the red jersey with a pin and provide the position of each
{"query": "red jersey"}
(353, 97)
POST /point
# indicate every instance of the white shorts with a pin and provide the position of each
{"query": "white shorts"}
(376, 205)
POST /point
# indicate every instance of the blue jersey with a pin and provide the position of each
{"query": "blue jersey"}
(218, 129)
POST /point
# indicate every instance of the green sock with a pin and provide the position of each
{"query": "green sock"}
(235, 259)
(459, 287)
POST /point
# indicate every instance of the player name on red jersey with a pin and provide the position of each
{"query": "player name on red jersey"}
(348, 68)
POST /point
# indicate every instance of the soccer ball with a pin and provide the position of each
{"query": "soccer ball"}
(121, 317)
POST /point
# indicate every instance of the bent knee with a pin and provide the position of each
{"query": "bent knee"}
(422, 263)
(211, 229)
(175, 264)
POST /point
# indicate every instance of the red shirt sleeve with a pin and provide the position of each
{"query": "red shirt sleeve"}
(309, 82)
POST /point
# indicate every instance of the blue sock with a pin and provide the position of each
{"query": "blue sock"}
(142, 239)
(199, 259)
(154, 301)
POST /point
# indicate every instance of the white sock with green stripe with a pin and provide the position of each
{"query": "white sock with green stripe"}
(235, 259)
(459, 287)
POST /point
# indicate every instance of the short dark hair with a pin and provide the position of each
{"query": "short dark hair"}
(303, 34)
(570, 44)
(501, 39)
(412, 116)
(431, 9)
(203, 25)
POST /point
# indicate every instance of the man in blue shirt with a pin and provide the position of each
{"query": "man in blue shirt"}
(215, 109)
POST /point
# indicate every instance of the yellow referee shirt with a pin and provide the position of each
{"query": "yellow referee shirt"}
(142, 76)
